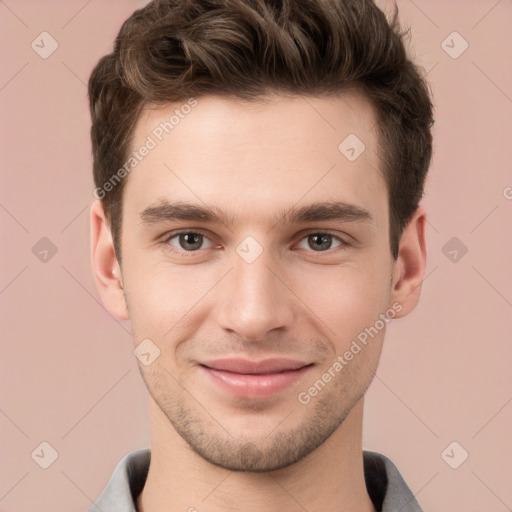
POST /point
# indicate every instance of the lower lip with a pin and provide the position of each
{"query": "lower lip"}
(255, 386)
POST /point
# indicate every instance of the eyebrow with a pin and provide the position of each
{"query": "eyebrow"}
(165, 211)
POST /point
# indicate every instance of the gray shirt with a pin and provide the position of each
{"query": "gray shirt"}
(386, 487)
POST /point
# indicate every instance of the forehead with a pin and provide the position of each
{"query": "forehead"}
(251, 159)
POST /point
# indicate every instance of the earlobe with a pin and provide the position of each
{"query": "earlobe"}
(409, 267)
(107, 272)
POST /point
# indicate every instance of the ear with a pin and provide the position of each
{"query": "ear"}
(107, 271)
(409, 267)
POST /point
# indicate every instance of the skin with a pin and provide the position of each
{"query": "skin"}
(211, 450)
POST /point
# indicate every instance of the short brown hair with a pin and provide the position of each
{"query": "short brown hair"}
(171, 50)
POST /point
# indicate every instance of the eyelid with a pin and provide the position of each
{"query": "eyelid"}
(313, 231)
(171, 234)
(334, 234)
(337, 236)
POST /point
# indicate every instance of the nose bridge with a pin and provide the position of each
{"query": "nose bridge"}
(253, 300)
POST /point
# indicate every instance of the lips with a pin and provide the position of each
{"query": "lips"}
(254, 379)
(248, 367)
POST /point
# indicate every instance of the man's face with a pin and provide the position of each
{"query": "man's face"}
(257, 287)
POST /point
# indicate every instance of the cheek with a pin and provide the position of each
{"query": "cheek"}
(346, 299)
(161, 297)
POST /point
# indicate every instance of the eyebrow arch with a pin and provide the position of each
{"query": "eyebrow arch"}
(181, 210)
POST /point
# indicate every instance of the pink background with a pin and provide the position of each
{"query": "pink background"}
(68, 375)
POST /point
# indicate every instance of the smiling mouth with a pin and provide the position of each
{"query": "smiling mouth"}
(250, 379)
(250, 367)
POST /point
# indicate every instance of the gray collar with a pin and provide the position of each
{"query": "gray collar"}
(385, 484)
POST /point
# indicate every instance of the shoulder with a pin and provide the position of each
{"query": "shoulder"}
(386, 486)
(125, 484)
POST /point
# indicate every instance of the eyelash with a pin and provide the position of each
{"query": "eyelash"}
(186, 254)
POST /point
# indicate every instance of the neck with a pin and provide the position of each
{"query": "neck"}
(329, 479)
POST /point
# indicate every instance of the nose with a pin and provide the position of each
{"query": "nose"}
(254, 299)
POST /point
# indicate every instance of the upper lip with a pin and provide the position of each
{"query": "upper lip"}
(246, 366)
